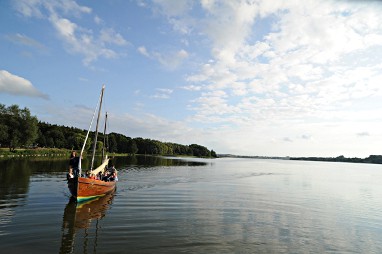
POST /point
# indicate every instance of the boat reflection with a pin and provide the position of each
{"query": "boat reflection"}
(78, 217)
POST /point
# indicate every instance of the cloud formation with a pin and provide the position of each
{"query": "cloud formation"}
(25, 40)
(76, 39)
(284, 64)
(169, 60)
(16, 85)
(303, 66)
(162, 93)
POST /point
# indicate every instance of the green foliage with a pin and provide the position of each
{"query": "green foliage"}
(18, 128)
(113, 145)
(200, 151)
(132, 147)
(99, 146)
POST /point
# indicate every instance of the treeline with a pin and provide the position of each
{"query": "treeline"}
(376, 159)
(19, 129)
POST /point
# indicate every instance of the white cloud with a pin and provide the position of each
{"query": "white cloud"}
(33, 8)
(98, 20)
(65, 28)
(173, 8)
(363, 134)
(192, 88)
(18, 86)
(27, 41)
(143, 51)
(300, 64)
(286, 64)
(172, 60)
(177, 14)
(306, 137)
(159, 128)
(169, 60)
(162, 93)
(76, 39)
(110, 36)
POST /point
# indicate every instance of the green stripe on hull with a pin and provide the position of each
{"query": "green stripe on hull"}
(84, 199)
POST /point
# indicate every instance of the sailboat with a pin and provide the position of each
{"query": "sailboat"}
(84, 188)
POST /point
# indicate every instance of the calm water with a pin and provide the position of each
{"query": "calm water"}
(165, 205)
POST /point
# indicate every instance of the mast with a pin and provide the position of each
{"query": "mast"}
(104, 139)
(87, 134)
(96, 131)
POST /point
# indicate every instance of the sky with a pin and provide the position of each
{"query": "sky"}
(253, 77)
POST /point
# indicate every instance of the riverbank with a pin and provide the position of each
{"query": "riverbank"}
(57, 152)
(38, 152)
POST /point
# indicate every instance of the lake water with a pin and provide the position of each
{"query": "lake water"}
(165, 205)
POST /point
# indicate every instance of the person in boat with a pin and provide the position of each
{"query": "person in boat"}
(90, 175)
(106, 176)
(110, 173)
(113, 173)
(73, 163)
(70, 174)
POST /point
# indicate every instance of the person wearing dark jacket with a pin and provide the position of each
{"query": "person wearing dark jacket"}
(73, 163)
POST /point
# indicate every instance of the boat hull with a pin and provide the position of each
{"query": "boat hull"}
(84, 189)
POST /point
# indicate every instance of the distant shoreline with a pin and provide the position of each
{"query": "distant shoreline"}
(373, 159)
(56, 152)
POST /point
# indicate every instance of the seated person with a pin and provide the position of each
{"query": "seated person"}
(110, 174)
(106, 176)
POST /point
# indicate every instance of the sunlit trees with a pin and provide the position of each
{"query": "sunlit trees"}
(18, 127)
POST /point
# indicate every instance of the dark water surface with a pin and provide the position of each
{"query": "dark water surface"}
(165, 205)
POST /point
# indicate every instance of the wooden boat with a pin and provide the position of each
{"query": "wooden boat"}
(82, 187)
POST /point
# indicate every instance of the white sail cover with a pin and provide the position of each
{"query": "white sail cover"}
(101, 168)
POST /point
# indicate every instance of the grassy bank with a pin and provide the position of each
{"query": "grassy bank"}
(39, 152)
(56, 152)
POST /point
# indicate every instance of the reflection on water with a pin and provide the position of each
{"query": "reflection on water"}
(15, 176)
(14, 182)
(155, 161)
(84, 216)
(172, 205)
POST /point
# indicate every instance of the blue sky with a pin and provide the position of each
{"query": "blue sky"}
(271, 78)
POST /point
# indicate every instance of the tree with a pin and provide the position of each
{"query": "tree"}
(30, 127)
(200, 151)
(131, 147)
(99, 146)
(3, 134)
(57, 137)
(113, 146)
(18, 127)
(76, 141)
(123, 143)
